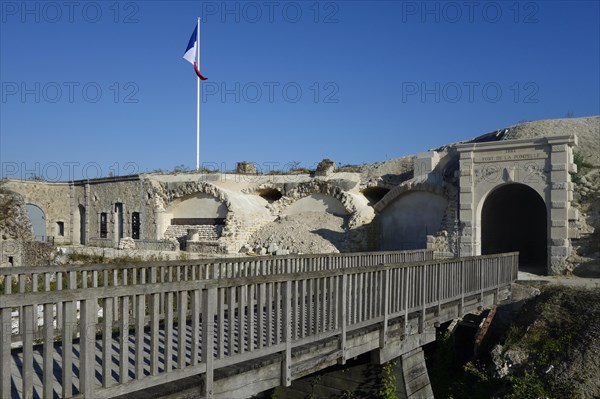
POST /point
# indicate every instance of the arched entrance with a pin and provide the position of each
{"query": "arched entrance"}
(514, 218)
(38, 221)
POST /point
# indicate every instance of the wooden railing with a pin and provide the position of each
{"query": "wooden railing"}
(46, 279)
(200, 326)
(33, 279)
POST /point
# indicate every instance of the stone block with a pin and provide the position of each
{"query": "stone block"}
(246, 168)
(559, 242)
(559, 233)
(559, 251)
(558, 148)
(558, 213)
(573, 213)
(559, 196)
(325, 167)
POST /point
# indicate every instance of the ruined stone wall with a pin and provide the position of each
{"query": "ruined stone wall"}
(14, 222)
(53, 199)
(35, 253)
(135, 195)
(25, 253)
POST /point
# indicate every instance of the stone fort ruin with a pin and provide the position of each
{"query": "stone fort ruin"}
(495, 193)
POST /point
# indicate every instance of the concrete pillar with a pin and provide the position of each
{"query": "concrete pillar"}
(561, 195)
(412, 379)
(468, 246)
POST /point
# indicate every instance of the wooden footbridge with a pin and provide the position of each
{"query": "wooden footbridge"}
(243, 325)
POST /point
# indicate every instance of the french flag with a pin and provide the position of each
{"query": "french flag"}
(191, 53)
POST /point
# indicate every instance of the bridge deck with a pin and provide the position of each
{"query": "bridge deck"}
(113, 377)
(131, 333)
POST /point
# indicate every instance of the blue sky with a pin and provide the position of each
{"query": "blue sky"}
(92, 88)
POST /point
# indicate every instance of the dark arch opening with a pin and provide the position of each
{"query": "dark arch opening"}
(375, 194)
(514, 218)
(270, 194)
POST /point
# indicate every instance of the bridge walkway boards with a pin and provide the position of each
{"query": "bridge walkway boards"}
(115, 357)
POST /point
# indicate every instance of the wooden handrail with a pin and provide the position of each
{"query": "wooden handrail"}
(164, 331)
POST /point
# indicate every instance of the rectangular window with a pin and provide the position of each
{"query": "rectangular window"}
(135, 225)
(60, 229)
(103, 225)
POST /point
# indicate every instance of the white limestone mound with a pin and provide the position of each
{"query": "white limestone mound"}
(307, 232)
(587, 130)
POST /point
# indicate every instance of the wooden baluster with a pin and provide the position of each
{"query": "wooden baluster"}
(231, 320)
(115, 283)
(107, 323)
(439, 288)
(462, 288)
(241, 296)
(140, 315)
(27, 335)
(385, 296)
(208, 332)
(342, 309)
(124, 341)
(323, 302)
(310, 300)
(22, 284)
(181, 328)
(5, 340)
(95, 278)
(286, 364)
(251, 332)
(278, 302)
(221, 317)
(260, 293)
(168, 331)
(481, 286)
(269, 310)
(423, 298)
(497, 294)
(406, 296)
(48, 352)
(154, 323)
(196, 309)
(331, 300)
(362, 295)
(69, 322)
(87, 345)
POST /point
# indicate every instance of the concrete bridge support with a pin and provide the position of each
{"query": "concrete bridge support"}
(412, 380)
(362, 379)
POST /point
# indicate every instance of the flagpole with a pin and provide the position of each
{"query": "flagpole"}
(198, 104)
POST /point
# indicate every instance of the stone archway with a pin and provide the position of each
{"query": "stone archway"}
(514, 218)
(37, 217)
(543, 165)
